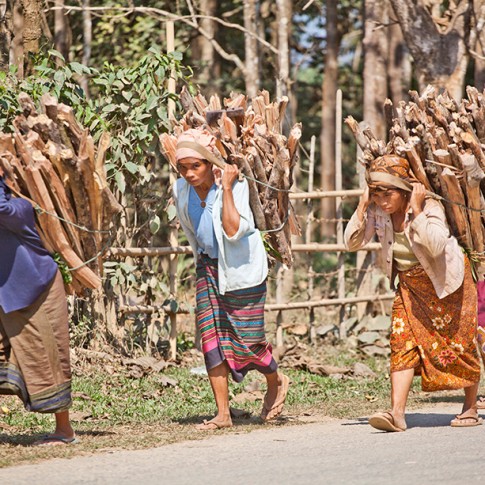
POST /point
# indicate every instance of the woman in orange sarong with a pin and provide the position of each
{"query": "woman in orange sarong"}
(434, 315)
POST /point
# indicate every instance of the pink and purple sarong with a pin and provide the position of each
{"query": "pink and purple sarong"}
(232, 325)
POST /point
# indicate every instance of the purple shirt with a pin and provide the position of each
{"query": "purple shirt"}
(26, 267)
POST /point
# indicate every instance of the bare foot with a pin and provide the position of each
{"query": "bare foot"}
(273, 405)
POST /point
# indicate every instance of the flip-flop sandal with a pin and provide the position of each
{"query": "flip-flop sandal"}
(272, 412)
(384, 422)
(467, 419)
(51, 439)
(211, 425)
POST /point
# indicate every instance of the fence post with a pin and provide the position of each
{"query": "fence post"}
(308, 236)
(364, 261)
(339, 212)
(172, 237)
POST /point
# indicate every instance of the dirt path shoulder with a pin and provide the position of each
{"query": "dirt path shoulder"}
(333, 451)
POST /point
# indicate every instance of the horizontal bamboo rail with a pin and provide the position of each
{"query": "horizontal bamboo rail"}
(302, 248)
(153, 251)
(273, 307)
(322, 194)
(269, 307)
(151, 309)
(329, 248)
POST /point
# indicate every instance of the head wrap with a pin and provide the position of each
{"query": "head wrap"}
(389, 171)
(196, 143)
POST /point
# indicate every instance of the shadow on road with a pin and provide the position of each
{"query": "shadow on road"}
(428, 420)
(29, 439)
(414, 420)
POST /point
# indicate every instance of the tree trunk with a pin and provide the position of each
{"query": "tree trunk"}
(440, 57)
(17, 46)
(283, 15)
(62, 35)
(5, 34)
(252, 74)
(398, 65)
(375, 65)
(327, 135)
(87, 39)
(479, 74)
(32, 32)
(204, 50)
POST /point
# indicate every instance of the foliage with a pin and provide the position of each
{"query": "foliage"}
(130, 103)
(63, 268)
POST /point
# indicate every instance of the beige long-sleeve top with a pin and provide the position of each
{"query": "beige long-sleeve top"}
(436, 250)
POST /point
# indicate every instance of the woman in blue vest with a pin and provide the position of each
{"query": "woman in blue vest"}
(34, 333)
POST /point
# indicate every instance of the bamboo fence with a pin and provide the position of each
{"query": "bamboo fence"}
(308, 247)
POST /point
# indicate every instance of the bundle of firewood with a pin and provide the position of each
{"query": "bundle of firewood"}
(250, 136)
(52, 161)
(444, 142)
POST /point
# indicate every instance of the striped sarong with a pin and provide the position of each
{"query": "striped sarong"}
(435, 337)
(231, 325)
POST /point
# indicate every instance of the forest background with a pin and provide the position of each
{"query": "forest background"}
(107, 59)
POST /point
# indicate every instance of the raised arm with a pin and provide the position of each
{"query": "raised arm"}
(230, 215)
(361, 227)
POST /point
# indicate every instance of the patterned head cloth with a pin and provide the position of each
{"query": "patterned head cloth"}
(196, 143)
(389, 171)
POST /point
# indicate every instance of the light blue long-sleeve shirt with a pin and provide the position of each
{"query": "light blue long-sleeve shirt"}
(201, 219)
(241, 258)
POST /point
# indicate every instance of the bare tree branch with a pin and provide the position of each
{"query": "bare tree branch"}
(164, 15)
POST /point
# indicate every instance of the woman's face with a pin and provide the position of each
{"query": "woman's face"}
(196, 172)
(389, 200)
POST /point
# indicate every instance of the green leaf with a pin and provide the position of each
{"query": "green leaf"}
(152, 102)
(155, 225)
(57, 54)
(120, 181)
(77, 67)
(59, 77)
(171, 212)
(110, 264)
(127, 268)
(131, 167)
(109, 108)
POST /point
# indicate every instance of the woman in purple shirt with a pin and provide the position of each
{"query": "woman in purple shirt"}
(34, 333)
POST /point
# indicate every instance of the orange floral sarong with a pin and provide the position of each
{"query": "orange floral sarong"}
(435, 337)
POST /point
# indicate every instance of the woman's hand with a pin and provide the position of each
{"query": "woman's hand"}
(364, 203)
(418, 196)
(229, 176)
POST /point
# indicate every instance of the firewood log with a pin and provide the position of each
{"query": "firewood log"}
(51, 160)
(443, 141)
(254, 141)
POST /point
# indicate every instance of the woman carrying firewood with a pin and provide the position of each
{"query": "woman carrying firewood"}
(34, 334)
(214, 212)
(434, 315)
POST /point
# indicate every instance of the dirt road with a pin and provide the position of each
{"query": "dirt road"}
(331, 452)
